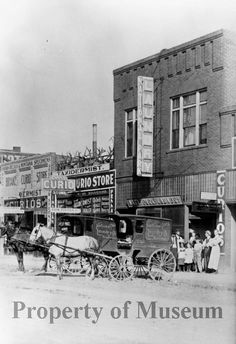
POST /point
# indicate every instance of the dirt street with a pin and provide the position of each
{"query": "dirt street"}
(42, 310)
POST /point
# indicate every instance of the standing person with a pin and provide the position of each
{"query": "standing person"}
(181, 256)
(175, 246)
(192, 236)
(206, 250)
(174, 249)
(188, 257)
(197, 253)
(215, 244)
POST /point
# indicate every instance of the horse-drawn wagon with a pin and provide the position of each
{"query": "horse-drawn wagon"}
(128, 245)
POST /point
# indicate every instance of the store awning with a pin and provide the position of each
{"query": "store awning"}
(11, 210)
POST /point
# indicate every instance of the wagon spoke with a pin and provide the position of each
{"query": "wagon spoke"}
(161, 264)
(158, 262)
(121, 268)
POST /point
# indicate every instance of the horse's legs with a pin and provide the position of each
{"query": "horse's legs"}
(46, 257)
(91, 268)
(20, 257)
(59, 267)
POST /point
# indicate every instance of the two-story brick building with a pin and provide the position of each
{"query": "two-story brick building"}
(175, 134)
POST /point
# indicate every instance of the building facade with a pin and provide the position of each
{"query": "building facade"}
(21, 188)
(94, 190)
(7, 155)
(41, 189)
(175, 134)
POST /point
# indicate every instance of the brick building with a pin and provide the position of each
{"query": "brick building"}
(175, 154)
(13, 154)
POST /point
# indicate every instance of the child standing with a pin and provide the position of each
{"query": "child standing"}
(197, 253)
(188, 257)
(181, 256)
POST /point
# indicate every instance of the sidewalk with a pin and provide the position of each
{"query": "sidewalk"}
(219, 281)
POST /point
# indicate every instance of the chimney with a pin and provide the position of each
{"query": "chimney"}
(94, 140)
(16, 149)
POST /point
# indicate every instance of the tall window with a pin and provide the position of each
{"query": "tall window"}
(131, 133)
(189, 120)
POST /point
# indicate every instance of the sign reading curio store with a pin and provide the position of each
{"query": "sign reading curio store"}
(97, 181)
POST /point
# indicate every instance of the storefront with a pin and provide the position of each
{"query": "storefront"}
(94, 190)
(33, 208)
(20, 186)
(206, 201)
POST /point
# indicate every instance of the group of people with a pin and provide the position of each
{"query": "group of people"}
(197, 254)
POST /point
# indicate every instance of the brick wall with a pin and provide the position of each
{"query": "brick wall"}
(207, 62)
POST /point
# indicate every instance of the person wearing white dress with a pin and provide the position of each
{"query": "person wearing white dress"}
(215, 244)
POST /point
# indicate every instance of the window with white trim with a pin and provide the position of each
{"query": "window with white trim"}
(189, 120)
(131, 133)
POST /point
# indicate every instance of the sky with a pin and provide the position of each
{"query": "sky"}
(57, 58)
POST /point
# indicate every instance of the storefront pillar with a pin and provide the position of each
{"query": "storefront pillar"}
(233, 238)
(186, 223)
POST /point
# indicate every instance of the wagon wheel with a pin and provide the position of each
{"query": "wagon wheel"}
(161, 264)
(77, 265)
(121, 268)
(141, 267)
(52, 264)
(102, 265)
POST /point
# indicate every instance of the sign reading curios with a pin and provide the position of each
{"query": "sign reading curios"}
(145, 127)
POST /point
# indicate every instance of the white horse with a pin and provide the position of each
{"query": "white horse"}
(65, 246)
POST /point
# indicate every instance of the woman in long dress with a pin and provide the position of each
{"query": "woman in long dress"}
(215, 244)
(206, 250)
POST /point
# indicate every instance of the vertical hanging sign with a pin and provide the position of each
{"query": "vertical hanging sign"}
(49, 207)
(145, 127)
(220, 178)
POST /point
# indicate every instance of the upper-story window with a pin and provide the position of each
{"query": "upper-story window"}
(189, 120)
(130, 133)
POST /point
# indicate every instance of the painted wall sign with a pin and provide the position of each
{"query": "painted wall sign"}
(30, 193)
(145, 127)
(106, 229)
(82, 170)
(8, 157)
(155, 201)
(157, 230)
(11, 181)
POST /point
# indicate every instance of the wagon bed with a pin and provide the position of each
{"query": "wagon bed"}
(130, 244)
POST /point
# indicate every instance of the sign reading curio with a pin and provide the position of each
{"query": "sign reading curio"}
(58, 184)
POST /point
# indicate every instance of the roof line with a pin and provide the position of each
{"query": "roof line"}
(166, 52)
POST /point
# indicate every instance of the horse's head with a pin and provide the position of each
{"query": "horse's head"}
(9, 230)
(40, 231)
(36, 233)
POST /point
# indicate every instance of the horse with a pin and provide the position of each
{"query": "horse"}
(18, 240)
(62, 245)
